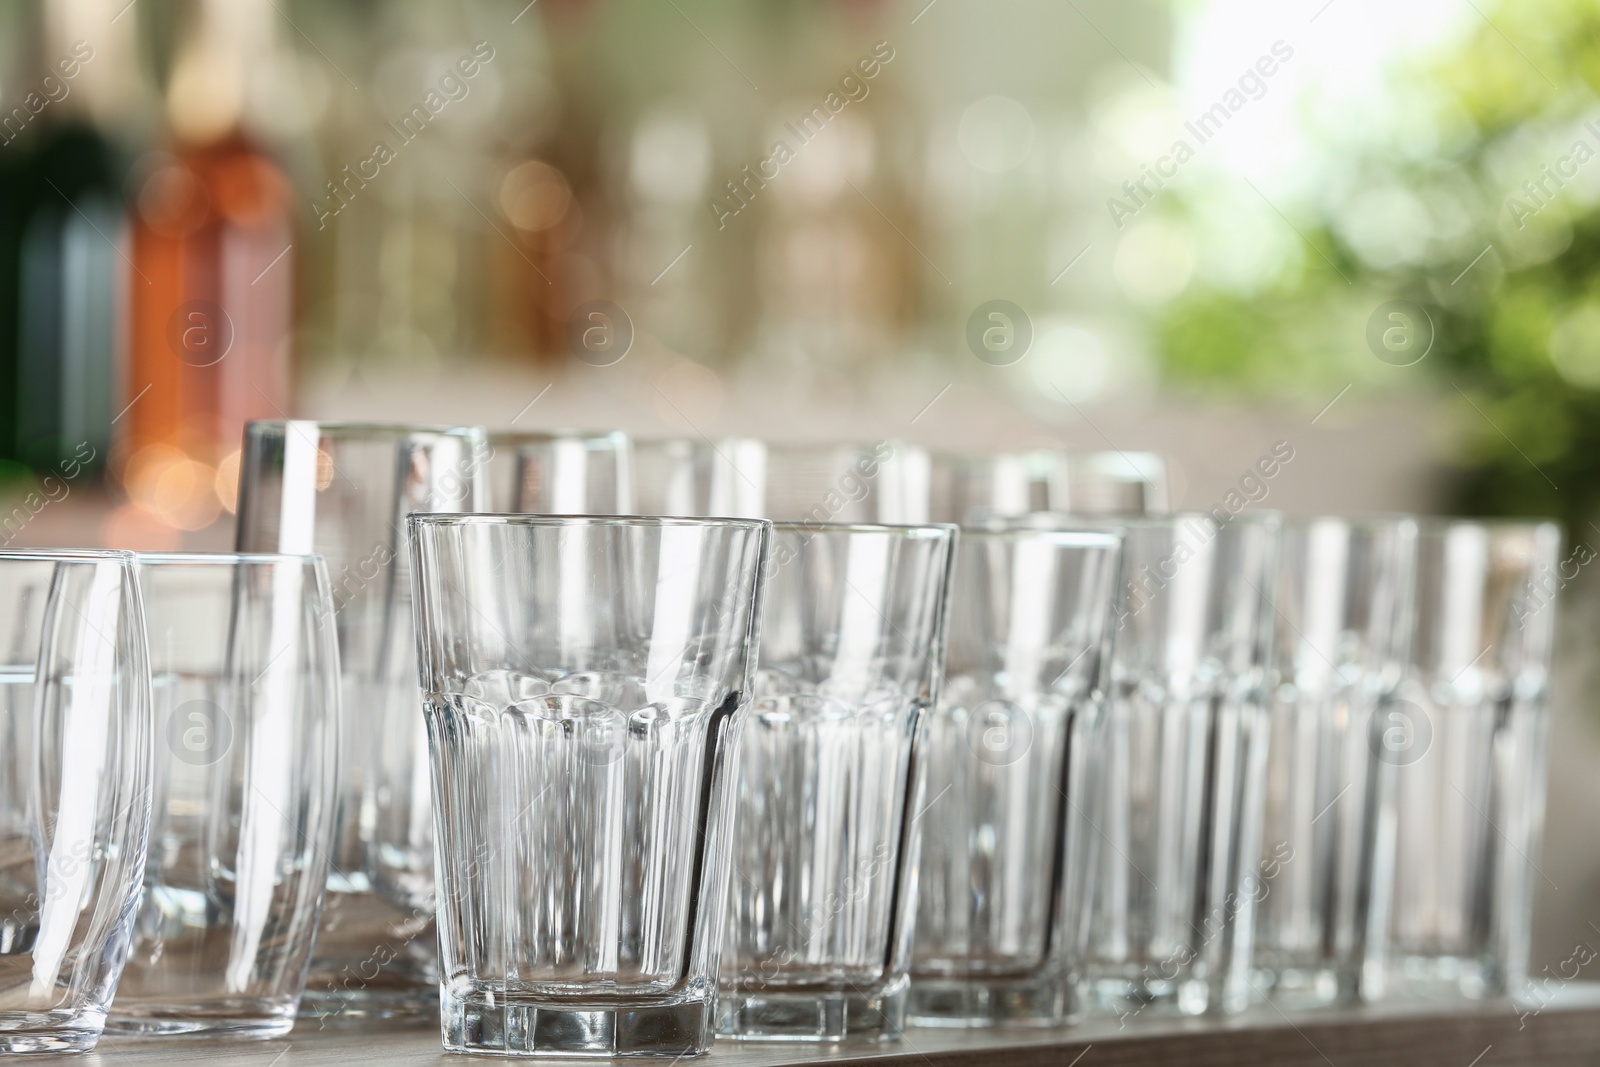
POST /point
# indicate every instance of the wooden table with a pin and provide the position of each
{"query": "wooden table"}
(1565, 1031)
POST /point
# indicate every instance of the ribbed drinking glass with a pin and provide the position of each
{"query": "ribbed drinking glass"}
(1001, 930)
(1469, 737)
(1344, 598)
(585, 683)
(1182, 770)
(823, 897)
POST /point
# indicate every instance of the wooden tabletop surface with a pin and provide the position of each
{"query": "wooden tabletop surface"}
(1564, 1031)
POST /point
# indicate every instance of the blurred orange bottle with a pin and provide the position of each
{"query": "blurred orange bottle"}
(212, 284)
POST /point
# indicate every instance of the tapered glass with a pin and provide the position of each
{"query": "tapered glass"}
(585, 683)
(1469, 739)
(1344, 598)
(76, 768)
(1006, 849)
(343, 490)
(245, 684)
(824, 893)
(1182, 770)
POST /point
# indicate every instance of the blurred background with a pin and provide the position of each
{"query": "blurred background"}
(1367, 232)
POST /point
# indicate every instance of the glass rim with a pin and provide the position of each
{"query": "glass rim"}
(929, 530)
(488, 518)
(1375, 521)
(1072, 537)
(227, 558)
(1492, 522)
(535, 436)
(68, 555)
(1130, 521)
(355, 430)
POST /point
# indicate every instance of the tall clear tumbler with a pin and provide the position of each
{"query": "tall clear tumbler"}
(76, 768)
(1000, 932)
(1183, 767)
(343, 490)
(245, 683)
(1469, 738)
(824, 888)
(585, 683)
(1344, 599)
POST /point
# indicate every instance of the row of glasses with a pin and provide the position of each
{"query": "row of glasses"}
(1183, 782)
(608, 473)
(171, 741)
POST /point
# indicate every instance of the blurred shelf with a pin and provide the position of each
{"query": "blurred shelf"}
(1566, 1031)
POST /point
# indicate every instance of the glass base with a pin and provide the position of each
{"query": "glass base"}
(373, 963)
(487, 1021)
(166, 1020)
(1445, 977)
(1128, 998)
(50, 1031)
(984, 1002)
(831, 1015)
(1306, 987)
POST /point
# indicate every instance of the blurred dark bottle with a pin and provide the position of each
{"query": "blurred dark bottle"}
(61, 218)
(212, 279)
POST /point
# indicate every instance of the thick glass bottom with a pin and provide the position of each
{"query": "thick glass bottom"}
(1446, 977)
(373, 963)
(223, 1020)
(1306, 986)
(985, 1002)
(1130, 997)
(814, 1015)
(487, 1021)
(50, 1031)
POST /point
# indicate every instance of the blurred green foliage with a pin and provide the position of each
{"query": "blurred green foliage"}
(1516, 356)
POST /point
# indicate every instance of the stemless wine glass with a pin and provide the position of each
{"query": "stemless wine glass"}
(585, 679)
(1183, 767)
(1469, 736)
(75, 788)
(343, 490)
(245, 684)
(563, 473)
(1000, 931)
(1344, 598)
(822, 904)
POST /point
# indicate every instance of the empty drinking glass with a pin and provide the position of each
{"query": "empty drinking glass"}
(585, 680)
(343, 490)
(245, 684)
(1468, 737)
(1000, 931)
(1344, 599)
(823, 898)
(1183, 766)
(75, 783)
(563, 473)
